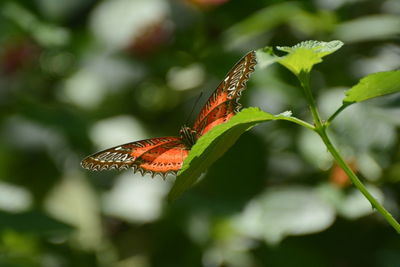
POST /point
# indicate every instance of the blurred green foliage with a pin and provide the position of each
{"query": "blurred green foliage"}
(79, 76)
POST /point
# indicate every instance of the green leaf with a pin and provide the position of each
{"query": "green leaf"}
(265, 57)
(264, 20)
(374, 85)
(215, 143)
(303, 56)
(368, 28)
(32, 222)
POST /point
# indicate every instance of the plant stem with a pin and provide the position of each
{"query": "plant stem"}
(299, 122)
(360, 186)
(320, 128)
(337, 112)
(304, 78)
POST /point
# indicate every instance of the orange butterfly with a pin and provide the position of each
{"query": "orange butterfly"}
(166, 154)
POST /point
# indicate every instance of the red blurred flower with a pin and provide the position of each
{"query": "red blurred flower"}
(17, 55)
(153, 37)
(207, 3)
(338, 177)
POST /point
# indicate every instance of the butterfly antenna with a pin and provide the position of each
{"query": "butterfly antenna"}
(194, 106)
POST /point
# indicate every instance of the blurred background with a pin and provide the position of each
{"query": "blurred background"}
(78, 76)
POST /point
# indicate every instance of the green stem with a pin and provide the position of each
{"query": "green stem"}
(337, 112)
(360, 186)
(320, 128)
(299, 122)
(304, 78)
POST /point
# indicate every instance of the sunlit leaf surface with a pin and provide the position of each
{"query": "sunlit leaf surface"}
(303, 56)
(374, 85)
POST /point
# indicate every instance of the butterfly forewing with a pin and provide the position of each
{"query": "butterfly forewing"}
(132, 155)
(226, 96)
(220, 114)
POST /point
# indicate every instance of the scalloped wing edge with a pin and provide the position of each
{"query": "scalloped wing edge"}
(114, 166)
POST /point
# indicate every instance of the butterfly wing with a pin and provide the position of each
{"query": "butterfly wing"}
(220, 114)
(155, 156)
(166, 154)
(224, 102)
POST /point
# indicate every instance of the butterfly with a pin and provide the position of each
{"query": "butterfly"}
(165, 155)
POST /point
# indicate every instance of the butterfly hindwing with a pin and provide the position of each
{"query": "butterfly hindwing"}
(163, 159)
(149, 155)
(226, 96)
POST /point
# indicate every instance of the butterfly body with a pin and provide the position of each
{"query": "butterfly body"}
(165, 155)
(188, 136)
